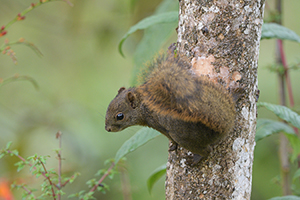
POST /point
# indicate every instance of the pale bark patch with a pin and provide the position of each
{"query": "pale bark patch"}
(203, 66)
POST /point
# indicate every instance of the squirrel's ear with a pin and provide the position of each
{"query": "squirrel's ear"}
(121, 89)
(132, 99)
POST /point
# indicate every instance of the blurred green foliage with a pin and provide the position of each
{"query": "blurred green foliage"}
(80, 73)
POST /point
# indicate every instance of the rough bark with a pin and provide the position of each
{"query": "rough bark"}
(222, 38)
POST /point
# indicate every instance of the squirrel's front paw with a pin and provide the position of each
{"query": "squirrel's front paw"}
(173, 146)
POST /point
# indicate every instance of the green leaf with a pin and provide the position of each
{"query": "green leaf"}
(267, 127)
(72, 178)
(15, 152)
(277, 68)
(100, 172)
(295, 143)
(112, 174)
(155, 176)
(91, 183)
(108, 161)
(103, 188)
(32, 158)
(273, 30)
(296, 175)
(78, 194)
(60, 192)
(19, 78)
(283, 113)
(38, 174)
(138, 139)
(167, 17)
(286, 198)
(88, 196)
(20, 165)
(72, 195)
(154, 38)
(43, 159)
(33, 47)
(8, 144)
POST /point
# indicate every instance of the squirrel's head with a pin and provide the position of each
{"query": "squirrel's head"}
(123, 111)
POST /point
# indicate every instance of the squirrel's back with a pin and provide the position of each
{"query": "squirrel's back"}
(171, 89)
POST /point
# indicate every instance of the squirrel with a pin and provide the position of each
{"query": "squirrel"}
(192, 111)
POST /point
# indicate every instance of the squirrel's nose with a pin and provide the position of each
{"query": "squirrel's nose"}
(108, 128)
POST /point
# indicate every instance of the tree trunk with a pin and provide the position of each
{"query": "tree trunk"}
(222, 39)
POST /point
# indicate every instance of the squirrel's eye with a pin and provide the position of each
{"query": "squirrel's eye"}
(120, 116)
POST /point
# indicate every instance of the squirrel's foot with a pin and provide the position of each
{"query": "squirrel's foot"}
(204, 154)
(197, 158)
(173, 146)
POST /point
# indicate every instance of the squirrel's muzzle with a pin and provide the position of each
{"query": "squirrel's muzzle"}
(108, 128)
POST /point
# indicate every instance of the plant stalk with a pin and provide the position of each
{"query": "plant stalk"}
(283, 147)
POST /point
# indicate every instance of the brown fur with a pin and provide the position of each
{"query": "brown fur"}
(172, 90)
(190, 110)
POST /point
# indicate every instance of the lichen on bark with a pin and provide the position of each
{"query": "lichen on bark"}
(226, 34)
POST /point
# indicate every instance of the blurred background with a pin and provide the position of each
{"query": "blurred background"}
(79, 74)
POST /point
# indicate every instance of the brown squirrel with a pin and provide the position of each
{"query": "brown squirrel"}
(190, 110)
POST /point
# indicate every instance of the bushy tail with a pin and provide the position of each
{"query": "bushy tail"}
(171, 89)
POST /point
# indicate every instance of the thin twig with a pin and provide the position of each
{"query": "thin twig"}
(286, 75)
(21, 15)
(48, 178)
(23, 159)
(19, 78)
(66, 182)
(28, 191)
(20, 157)
(58, 136)
(68, 2)
(125, 183)
(283, 148)
(103, 177)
